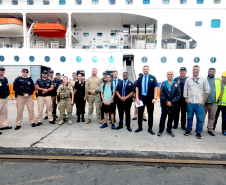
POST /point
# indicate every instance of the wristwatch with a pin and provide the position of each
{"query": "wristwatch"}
(155, 98)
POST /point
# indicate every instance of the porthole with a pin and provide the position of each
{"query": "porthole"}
(144, 59)
(2, 58)
(163, 59)
(16, 58)
(32, 58)
(78, 59)
(180, 59)
(47, 58)
(62, 59)
(95, 59)
(213, 60)
(196, 59)
(111, 59)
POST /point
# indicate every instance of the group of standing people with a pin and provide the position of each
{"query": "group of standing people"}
(180, 97)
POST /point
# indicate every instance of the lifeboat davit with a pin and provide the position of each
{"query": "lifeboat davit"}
(49, 30)
(11, 27)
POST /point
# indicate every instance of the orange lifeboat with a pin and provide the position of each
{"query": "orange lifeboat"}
(11, 27)
(49, 30)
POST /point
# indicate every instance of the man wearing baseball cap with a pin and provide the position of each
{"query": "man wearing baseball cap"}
(44, 87)
(182, 105)
(24, 88)
(4, 93)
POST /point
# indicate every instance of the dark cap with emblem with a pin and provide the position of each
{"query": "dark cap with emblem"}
(51, 71)
(58, 74)
(104, 73)
(183, 69)
(44, 72)
(2, 68)
(24, 69)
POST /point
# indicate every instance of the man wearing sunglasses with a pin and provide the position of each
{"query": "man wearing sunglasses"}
(44, 87)
(4, 93)
(24, 88)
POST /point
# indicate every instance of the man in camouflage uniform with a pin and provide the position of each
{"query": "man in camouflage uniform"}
(65, 93)
(93, 85)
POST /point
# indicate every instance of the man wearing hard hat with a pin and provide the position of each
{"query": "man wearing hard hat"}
(222, 107)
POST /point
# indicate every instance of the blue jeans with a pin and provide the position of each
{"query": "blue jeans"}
(199, 111)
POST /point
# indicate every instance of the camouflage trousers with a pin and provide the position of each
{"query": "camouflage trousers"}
(91, 100)
(65, 104)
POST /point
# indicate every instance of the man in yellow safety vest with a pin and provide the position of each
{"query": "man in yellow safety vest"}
(216, 92)
(222, 107)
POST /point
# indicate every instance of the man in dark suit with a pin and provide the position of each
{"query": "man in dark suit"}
(115, 81)
(170, 94)
(125, 91)
(146, 91)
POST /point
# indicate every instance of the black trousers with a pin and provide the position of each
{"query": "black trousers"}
(150, 110)
(182, 108)
(124, 107)
(164, 115)
(116, 104)
(80, 105)
(223, 112)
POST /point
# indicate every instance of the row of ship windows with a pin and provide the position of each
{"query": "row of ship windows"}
(111, 2)
(110, 59)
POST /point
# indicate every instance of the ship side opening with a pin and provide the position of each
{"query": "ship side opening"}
(47, 30)
(128, 66)
(98, 31)
(11, 30)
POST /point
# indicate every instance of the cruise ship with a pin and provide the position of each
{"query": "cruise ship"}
(122, 35)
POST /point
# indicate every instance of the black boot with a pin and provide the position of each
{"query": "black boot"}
(78, 119)
(83, 120)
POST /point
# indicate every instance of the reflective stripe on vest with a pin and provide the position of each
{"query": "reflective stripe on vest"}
(217, 87)
(223, 99)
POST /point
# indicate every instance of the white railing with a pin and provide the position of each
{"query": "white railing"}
(47, 46)
(8, 45)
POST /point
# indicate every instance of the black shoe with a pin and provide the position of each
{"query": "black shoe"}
(198, 135)
(171, 133)
(56, 116)
(0, 133)
(39, 123)
(175, 127)
(46, 117)
(129, 129)
(159, 134)
(134, 119)
(187, 133)
(183, 128)
(138, 130)
(211, 133)
(83, 120)
(52, 122)
(54, 119)
(78, 120)
(33, 125)
(64, 119)
(119, 127)
(145, 120)
(151, 131)
(17, 127)
(6, 128)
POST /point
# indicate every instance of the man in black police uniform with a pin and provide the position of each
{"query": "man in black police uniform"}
(182, 105)
(4, 93)
(146, 91)
(44, 87)
(24, 88)
(116, 81)
(125, 91)
(56, 83)
(170, 93)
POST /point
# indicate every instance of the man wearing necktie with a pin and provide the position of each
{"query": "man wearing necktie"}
(146, 91)
(125, 91)
(115, 81)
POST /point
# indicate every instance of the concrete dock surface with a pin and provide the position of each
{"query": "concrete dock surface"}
(89, 139)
